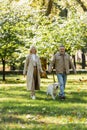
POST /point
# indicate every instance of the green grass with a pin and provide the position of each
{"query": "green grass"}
(18, 111)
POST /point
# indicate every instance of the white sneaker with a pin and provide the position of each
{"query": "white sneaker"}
(33, 97)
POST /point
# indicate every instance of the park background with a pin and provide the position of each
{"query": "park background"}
(46, 24)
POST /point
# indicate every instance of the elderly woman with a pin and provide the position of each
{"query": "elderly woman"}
(32, 68)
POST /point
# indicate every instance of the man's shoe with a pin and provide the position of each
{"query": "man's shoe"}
(62, 97)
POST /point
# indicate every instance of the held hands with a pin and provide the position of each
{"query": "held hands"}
(49, 70)
(43, 74)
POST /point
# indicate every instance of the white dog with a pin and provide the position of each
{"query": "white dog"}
(52, 90)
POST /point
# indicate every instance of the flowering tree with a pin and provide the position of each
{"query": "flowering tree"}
(24, 23)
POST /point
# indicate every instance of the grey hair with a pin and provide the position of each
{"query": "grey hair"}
(62, 45)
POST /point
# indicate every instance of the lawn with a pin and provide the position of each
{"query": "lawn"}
(18, 111)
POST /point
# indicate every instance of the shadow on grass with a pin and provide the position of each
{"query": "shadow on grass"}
(15, 105)
(14, 92)
(46, 107)
(40, 125)
(12, 81)
(11, 119)
(12, 110)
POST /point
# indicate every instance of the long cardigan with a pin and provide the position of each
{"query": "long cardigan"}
(29, 69)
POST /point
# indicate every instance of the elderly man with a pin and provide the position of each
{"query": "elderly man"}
(62, 62)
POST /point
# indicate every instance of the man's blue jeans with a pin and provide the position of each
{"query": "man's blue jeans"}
(62, 82)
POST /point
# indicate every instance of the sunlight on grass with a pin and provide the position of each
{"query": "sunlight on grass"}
(18, 111)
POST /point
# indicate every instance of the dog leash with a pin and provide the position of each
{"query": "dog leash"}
(53, 76)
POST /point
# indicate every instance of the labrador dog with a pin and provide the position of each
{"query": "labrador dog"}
(52, 90)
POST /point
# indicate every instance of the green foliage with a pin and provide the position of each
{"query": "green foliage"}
(9, 37)
(24, 23)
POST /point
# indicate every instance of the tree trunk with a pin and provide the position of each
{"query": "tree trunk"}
(83, 61)
(12, 66)
(49, 8)
(63, 13)
(43, 2)
(74, 61)
(44, 67)
(82, 4)
(3, 62)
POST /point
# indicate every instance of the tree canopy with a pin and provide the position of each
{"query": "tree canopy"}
(28, 22)
(47, 24)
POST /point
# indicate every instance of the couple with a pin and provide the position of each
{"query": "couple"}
(32, 68)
